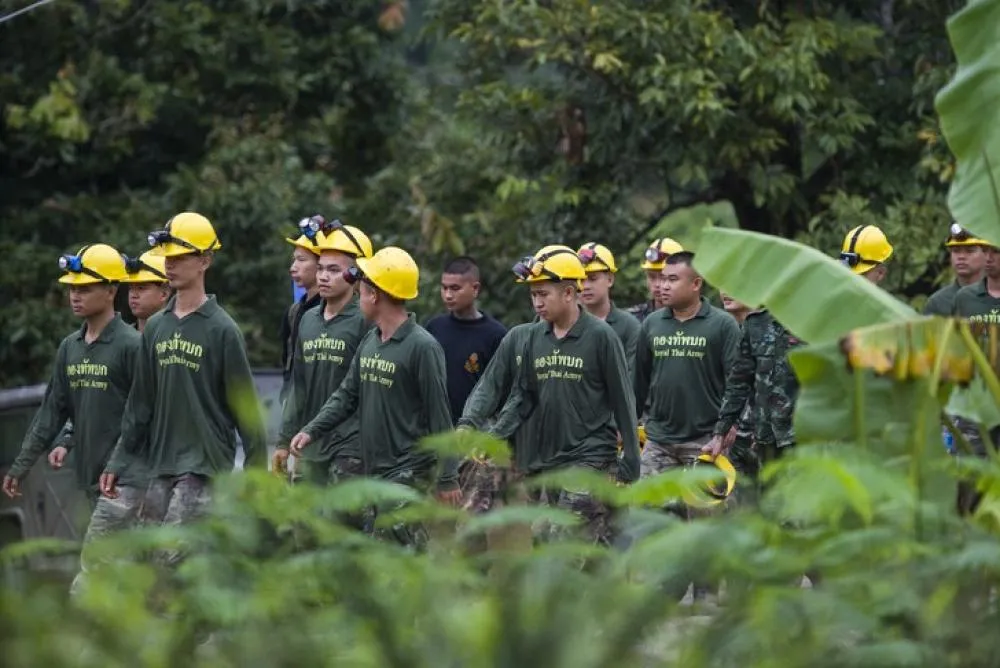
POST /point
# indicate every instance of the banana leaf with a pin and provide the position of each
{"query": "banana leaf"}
(811, 294)
(969, 107)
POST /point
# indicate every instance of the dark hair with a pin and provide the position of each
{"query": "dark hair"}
(681, 257)
(463, 266)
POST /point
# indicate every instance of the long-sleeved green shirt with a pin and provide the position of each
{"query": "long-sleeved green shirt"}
(942, 302)
(89, 385)
(322, 353)
(492, 391)
(627, 327)
(579, 388)
(399, 389)
(193, 388)
(681, 368)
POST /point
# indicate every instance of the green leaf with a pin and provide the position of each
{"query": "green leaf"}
(969, 107)
(517, 515)
(811, 294)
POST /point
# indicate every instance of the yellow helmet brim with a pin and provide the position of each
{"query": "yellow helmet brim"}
(144, 276)
(170, 249)
(78, 279)
(597, 267)
(305, 245)
(971, 241)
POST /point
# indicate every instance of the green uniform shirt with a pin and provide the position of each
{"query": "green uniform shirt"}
(399, 390)
(762, 376)
(323, 352)
(193, 388)
(89, 385)
(974, 303)
(942, 302)
(493, 389)
(681, 368)
(627, 327)
(577, 389)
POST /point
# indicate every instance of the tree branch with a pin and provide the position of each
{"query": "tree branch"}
(707, 197)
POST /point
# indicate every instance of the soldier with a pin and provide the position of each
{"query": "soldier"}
(328, 337)
(979, 303)
(865, 252)
(305, 257)
(574, 385)
(762, 376)
(193, 387)
(653, 262)
(685, 352)
(92, 374)
(599, 263)
(397, 384)
(743, 455)
(148, 287)
(968, 258)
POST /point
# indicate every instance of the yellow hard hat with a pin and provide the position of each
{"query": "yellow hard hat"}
(551, 263)
(94, 263)
(711, 494)
(391, 270)
(865, 247)
(185, 233)
(596, 257)
(656, 255)
(959, 236)
(345, 239)
(147, 268)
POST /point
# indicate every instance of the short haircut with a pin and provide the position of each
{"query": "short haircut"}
(683, 257)
(463, 266)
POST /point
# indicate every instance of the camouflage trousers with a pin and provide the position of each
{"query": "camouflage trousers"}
(411, 535)
(969, 497)
(657, 458)
(329, 471)
(109, 516)
(597, 516)
(485, 485)
(172, 501)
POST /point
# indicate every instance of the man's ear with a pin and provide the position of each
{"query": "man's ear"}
(206, 260)
(698, 282)
(476, 287)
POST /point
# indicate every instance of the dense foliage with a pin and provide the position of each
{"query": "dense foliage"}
(457, 126)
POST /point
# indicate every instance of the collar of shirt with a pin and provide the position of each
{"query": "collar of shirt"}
(206, 310)
(981, 288)
(703, 311)
(576, 330)
(403, 330)
(349, 309)
(107, 334)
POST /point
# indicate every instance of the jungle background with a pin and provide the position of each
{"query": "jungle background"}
(459, 126)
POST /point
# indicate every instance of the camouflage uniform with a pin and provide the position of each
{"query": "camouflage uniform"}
(484, 485)
(641, 311)
(173, 501)
(763, 378)
(109, 516)
(329, 472)
(596, 515)
(413, 535)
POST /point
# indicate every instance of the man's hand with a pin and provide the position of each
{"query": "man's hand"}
(11, 486)
(729, 439)
(715, 446)
(452, 497)
(57, 457)
(279, 461)
(109, 485)
(299, 441)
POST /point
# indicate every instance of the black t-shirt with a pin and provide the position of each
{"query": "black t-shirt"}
(469, 346)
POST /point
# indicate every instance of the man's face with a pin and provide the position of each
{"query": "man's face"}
(459, 292)
(876, 274)
(368, 300)
(654, 279)
(184, 271)
(731, 305)
(597, 288)
(993, 263)
(330, 269)
(552, 301)
(681, 286)
(303, 268)
(967, 261)
(145, 299)
(90, 300)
